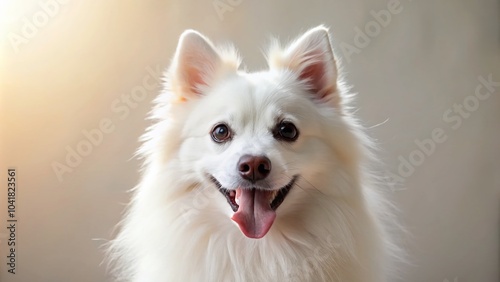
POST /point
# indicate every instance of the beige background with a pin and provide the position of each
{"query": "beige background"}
(71, 70)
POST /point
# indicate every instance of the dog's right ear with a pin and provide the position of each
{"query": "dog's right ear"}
(196, 66)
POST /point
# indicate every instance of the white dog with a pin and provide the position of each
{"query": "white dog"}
(254, 176)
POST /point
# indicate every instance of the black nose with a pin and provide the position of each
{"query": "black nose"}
(254, 168)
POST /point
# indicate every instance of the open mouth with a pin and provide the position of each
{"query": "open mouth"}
(276, 197)
(254, 209)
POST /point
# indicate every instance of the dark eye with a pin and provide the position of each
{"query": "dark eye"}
(286, 131)
(221, 133)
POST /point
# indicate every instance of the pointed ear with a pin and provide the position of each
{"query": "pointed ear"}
(195, 65)
(311, 58)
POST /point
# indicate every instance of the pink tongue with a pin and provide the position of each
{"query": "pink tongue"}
(255, 215)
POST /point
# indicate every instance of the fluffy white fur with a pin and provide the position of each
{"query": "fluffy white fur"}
(178, 226)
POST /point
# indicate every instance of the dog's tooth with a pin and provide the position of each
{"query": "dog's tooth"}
(273, 195)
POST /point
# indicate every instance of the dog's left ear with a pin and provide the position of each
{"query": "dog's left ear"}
(311, 58)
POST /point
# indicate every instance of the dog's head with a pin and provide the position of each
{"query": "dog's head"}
(259, 138)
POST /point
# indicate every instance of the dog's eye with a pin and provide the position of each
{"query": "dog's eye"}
(286, 131)
(221, 133)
